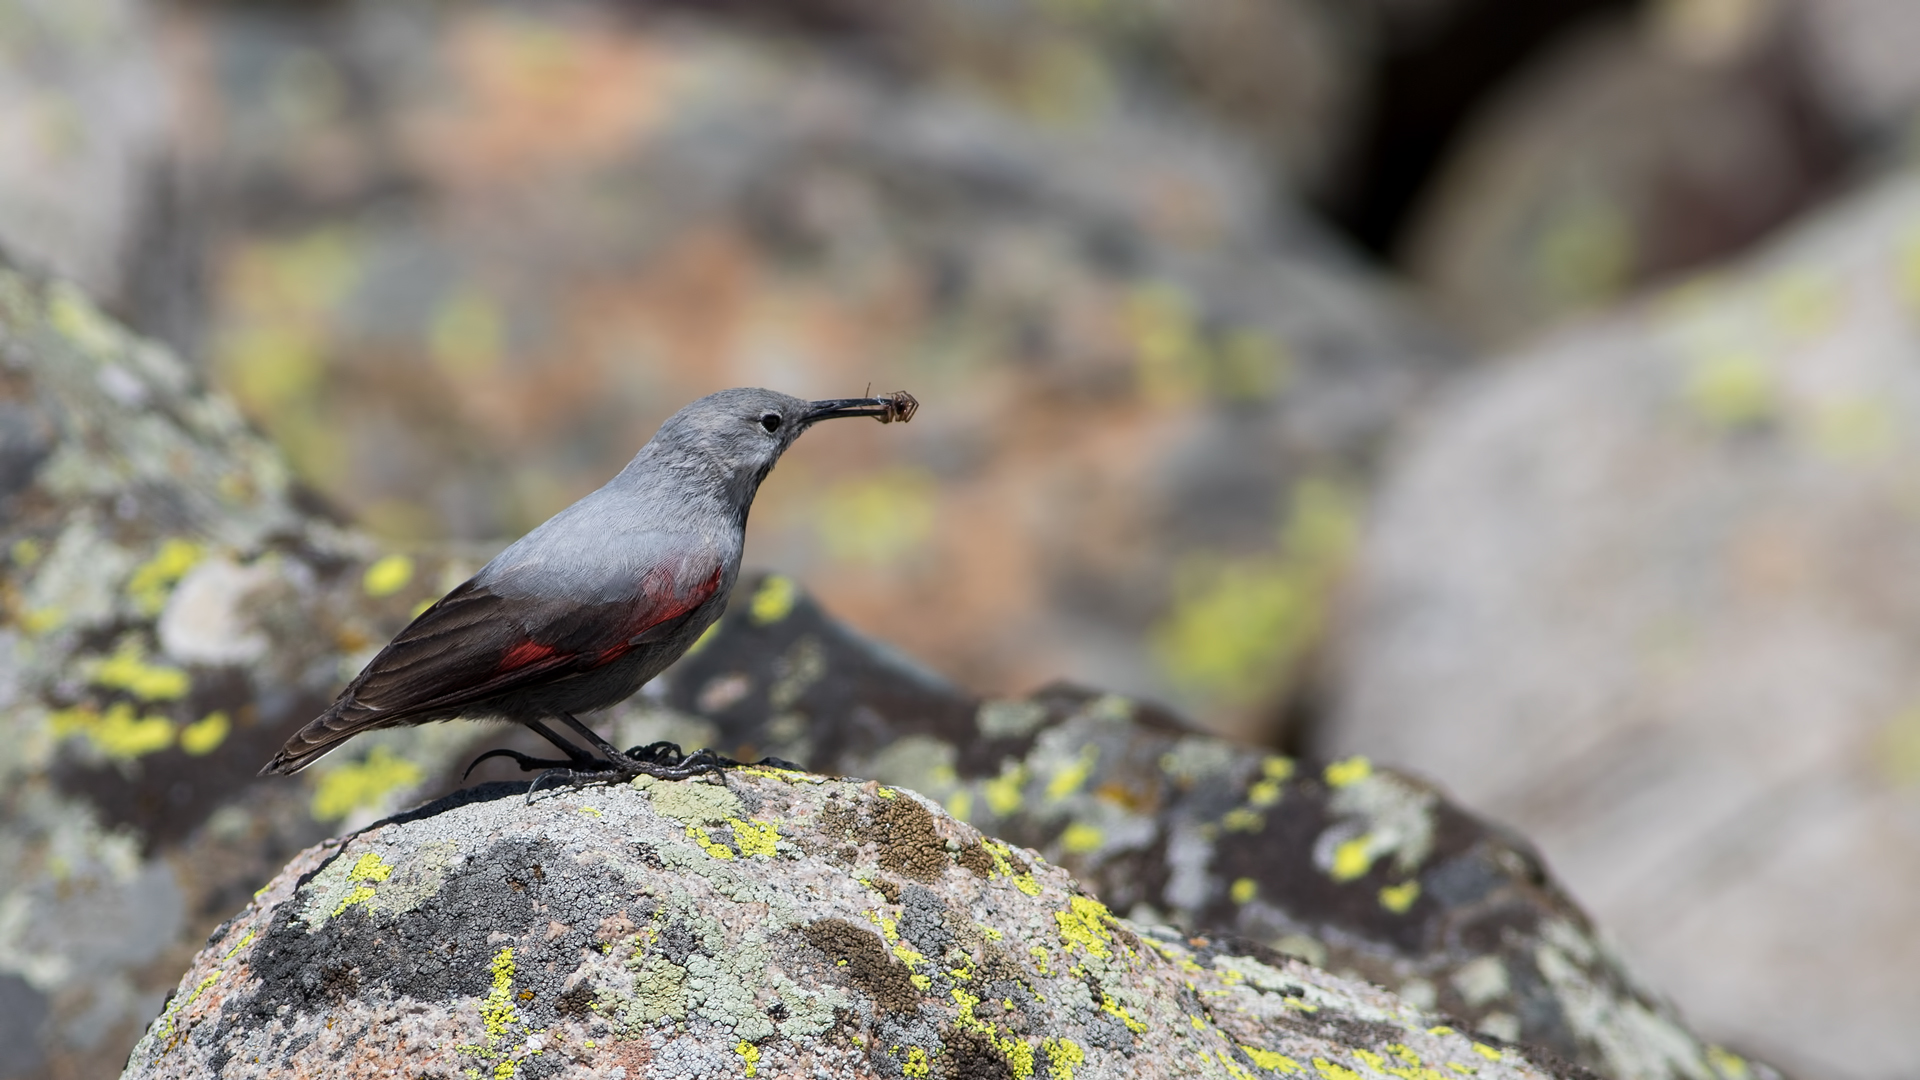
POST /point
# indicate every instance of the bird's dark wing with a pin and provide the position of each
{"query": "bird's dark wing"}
(475, 644)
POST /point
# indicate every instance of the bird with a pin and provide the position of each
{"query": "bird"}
(582, 611)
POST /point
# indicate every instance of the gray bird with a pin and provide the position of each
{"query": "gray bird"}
(578, 614)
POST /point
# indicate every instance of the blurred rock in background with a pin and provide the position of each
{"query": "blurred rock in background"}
(89, 155)
(468, 257)
(1643, 145)
(1648, 593)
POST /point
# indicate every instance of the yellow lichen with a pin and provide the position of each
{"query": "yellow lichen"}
(1244, 820)
(1486, 1051)
(1003, 792)
(1240, 625)
(774, 600)
(1398, 898)
(878, 518)
(1352, 858)
(1085, 925)
(1234, 1068)
(707, 844)
(1073, 775)
(117, 733)
(1062, 1056)
(205, 735)
(916, 1065)
(1729, 1065)
(1730, 389)
(127, 670)
(26, 551)
(153, 581)
(1267, 1059)
(1347, 772)
(959, 805)
(750, 1056)
(365, 784)
(755, 837)
(1080, 838)
(387, 575)
(497, 1010)
(1334, 1072)
(1243, 890)
(1114, 1008)
(368, 868)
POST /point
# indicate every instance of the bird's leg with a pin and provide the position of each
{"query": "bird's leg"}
(528, 763)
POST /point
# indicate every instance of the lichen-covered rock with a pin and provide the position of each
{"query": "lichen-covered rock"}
(760, 924)
(1362, 870)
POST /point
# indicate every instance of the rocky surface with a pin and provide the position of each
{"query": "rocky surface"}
(768, 923)
(1647, 593)
(171, 609)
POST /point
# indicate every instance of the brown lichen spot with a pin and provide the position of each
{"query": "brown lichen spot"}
(340, 983)
(576, 1001)
(971, 1055)
(872, 968)
(887, 888)
(974, 857)
(997, 964)
(908, 843)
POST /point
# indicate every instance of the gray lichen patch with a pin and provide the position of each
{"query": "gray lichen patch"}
(763, 925)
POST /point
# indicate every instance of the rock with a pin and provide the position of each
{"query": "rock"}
(88, 181)
(1640, 148)
(771, 923)
(1646, 593)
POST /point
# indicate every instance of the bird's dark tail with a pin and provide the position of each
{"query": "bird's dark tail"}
(319, 738)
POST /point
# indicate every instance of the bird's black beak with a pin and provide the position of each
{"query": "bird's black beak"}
(887, 408)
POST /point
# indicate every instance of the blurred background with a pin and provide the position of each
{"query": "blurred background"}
(1523, 392)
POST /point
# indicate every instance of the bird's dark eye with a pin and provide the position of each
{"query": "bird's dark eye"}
(770, 421)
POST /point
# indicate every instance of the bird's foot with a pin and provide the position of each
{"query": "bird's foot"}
(670, 755)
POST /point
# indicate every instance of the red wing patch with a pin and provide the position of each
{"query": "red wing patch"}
(527, 652)
(657, 607)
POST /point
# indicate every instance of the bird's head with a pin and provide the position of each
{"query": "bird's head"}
(736, 436)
